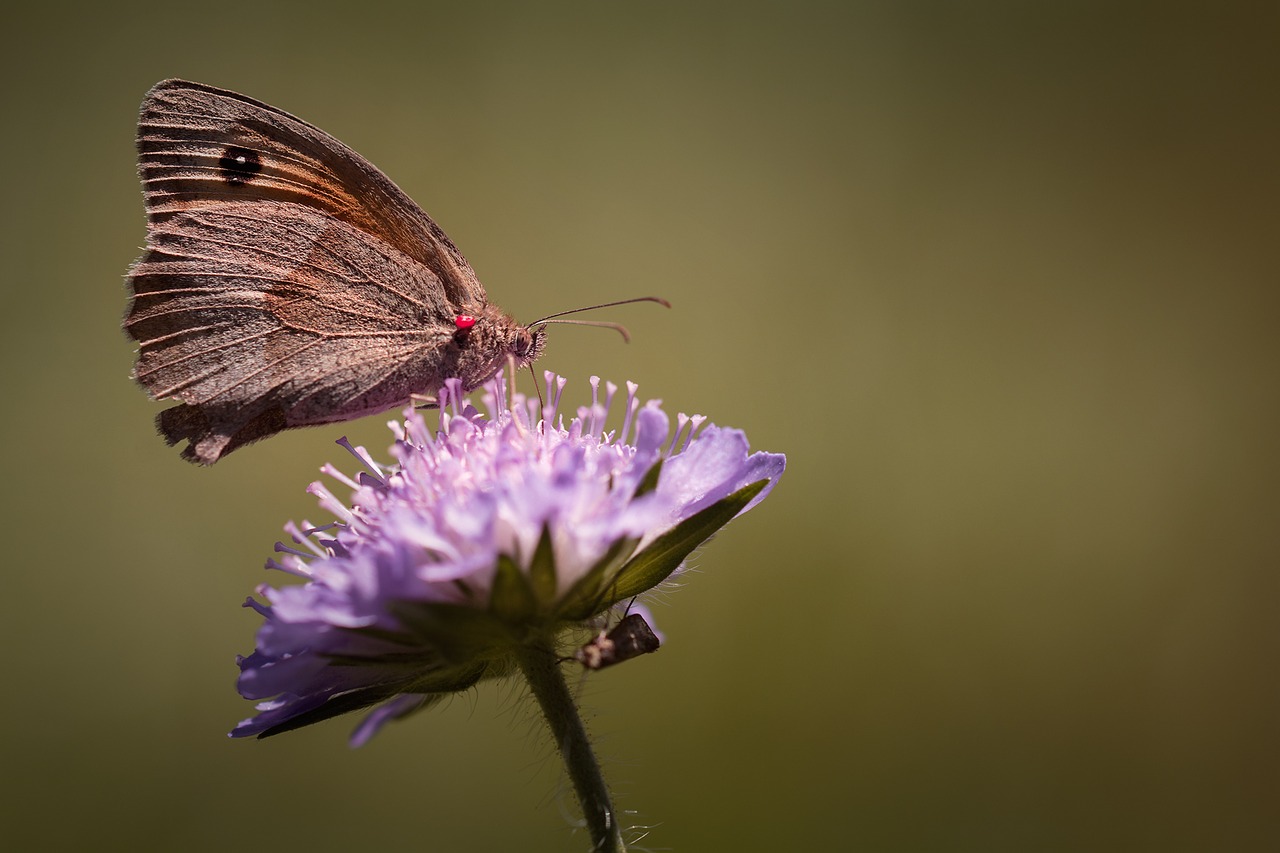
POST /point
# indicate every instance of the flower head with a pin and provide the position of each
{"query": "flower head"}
(489, 533)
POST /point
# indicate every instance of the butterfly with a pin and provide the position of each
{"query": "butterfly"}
(286, 281)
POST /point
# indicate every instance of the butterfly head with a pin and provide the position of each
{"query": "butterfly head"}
(486, 339)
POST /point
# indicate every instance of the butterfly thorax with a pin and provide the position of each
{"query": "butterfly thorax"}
(481, 348)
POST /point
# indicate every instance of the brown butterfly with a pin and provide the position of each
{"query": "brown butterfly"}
(288, 282)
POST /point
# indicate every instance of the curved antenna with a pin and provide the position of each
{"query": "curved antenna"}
(658, 299)
(600, 324)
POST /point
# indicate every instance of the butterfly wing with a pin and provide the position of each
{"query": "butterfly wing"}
(261, 316)
(286, 281)
(201, 146)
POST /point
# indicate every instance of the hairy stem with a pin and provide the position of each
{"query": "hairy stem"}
(541, 669)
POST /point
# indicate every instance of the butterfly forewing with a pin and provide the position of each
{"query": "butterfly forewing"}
(200, 146)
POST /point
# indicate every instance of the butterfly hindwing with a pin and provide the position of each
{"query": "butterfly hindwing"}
(265, 314)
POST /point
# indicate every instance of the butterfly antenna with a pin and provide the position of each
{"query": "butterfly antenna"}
(601, 324)
(658, 299)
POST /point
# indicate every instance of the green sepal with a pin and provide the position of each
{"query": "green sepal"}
(655, 563)
(451, 680)
(343, 703)
(512, 598)
(649, 481)
(397, 638)
(414, 661)
(462, 634)
(542, 568)
(584, 599)
(436, 685)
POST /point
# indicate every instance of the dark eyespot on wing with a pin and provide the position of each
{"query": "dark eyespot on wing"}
(239, 165)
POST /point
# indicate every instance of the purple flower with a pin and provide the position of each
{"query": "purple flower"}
(486, 535)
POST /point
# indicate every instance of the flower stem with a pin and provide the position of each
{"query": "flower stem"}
(541, 668)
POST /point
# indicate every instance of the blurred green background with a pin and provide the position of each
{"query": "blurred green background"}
(1000, 279)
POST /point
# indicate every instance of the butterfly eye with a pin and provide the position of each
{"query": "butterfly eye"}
(524, 343)
(464, 322)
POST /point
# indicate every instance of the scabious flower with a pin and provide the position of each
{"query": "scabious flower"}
(490, 537)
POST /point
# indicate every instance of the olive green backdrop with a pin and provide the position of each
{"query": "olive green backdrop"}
(999, 278)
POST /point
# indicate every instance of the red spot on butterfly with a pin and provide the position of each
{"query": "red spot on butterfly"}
(464, 321)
